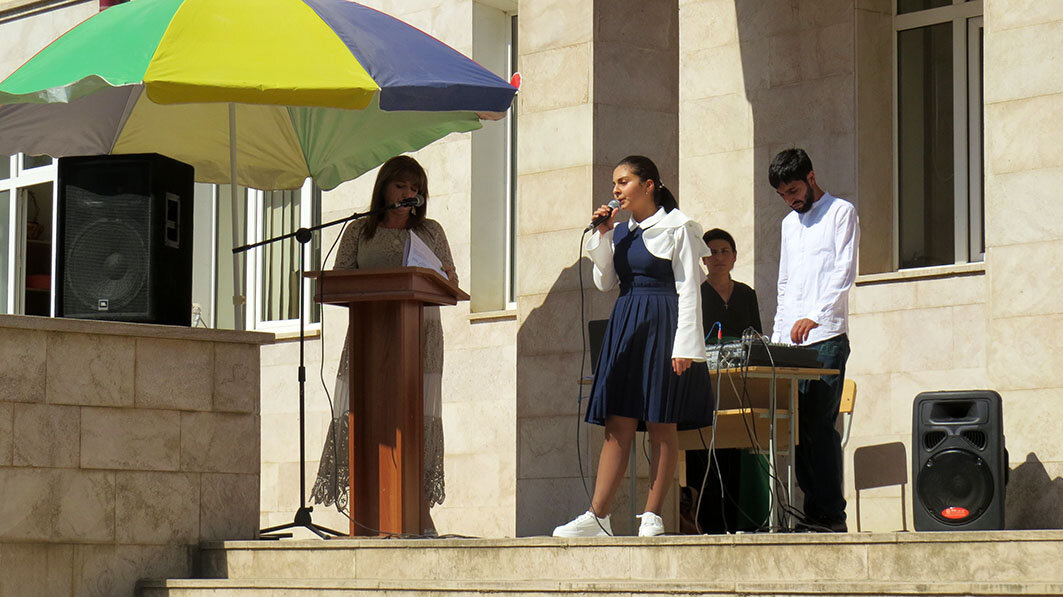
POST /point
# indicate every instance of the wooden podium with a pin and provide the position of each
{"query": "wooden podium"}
(386, 365)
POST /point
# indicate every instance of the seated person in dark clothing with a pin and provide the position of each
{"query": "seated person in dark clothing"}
(732, 307)
(732, 304)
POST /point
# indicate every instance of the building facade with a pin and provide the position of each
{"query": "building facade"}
(934, 117)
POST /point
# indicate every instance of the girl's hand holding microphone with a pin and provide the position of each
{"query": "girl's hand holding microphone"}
(603, 217)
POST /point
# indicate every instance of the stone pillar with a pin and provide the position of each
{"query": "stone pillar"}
(756, 78)
(1023, 94)
(600, 84)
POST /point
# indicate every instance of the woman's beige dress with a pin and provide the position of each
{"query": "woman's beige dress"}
(385, 250)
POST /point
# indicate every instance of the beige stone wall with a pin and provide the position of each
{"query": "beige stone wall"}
(756, 78)
(279, 465)
(122, 447)
(1024, 238)
(874, 134)
(911, 332)
(28, 26)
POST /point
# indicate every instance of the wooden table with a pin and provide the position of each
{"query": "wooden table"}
(749, 417)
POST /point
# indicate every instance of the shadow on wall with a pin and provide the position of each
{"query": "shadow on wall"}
(798, 68)
(881, 465)
(1034, 498)
(549, 481)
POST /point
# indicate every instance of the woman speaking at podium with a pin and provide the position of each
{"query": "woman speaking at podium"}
(651, 373)
(379, 241)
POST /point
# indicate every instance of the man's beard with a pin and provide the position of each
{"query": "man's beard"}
(810, 198)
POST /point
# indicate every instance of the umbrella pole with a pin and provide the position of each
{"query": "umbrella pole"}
(238, 295)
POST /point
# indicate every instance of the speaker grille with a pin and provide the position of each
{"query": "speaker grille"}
(955, 480)
(975, 437)
(107, 254)
(931, 439)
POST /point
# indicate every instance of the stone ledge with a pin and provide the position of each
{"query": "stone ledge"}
(178, 587)
(923, 273)
(486, 316)
(146, 330)
(1010, 558)
(665, 540)
(22, 8)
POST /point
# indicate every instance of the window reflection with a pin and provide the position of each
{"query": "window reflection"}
(926, 174)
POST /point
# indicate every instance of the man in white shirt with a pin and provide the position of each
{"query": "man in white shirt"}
(817, 266)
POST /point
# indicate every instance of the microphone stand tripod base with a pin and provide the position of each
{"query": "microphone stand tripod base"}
(302, 519)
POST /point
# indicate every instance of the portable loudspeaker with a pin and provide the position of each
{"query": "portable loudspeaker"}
(125, 239)
(959, 462)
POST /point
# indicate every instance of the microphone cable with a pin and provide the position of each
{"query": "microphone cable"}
(785, 504)
(579, 384)
(775, 484)
(709, 448)
(775, 493)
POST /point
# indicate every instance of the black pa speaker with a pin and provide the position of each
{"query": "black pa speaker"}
(125, 239)
(959, 462)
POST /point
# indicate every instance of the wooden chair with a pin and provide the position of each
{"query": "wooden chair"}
(846, 408)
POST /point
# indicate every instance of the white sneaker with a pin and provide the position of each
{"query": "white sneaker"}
(585, 525)
(652, 525)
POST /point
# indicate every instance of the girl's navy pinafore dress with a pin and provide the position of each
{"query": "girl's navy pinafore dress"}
(634, 377)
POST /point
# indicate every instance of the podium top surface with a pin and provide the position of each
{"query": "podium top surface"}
(343, 287)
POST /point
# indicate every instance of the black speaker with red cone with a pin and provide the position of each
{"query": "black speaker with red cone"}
(959, 462)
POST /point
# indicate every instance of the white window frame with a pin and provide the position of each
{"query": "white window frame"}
(209, 253)
(975, 149)
(511, 172)
(20, 178)
(966, 19)
(492, 256)
(256, 269)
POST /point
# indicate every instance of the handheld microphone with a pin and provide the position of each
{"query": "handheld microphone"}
(415, 201)
(613, 204)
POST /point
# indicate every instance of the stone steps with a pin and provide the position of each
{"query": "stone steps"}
(973, 563)
(452, 588)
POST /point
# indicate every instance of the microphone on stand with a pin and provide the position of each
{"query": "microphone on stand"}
(613, 204)
(415, 201)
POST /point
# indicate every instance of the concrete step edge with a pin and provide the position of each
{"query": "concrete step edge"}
(608, 586)
(902, 537)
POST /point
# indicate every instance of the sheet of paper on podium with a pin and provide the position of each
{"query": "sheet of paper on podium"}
(418, 254)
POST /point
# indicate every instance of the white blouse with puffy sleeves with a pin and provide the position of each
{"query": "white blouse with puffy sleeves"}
(677, 238)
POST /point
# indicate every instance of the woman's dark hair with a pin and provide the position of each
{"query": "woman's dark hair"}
(789, 165)
(645, 169)
(401, 167)
(718, 234)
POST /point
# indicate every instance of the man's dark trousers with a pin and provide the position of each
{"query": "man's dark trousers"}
(818, 461)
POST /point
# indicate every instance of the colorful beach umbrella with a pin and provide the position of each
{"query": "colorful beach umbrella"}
(262, 92)
(326, 89)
